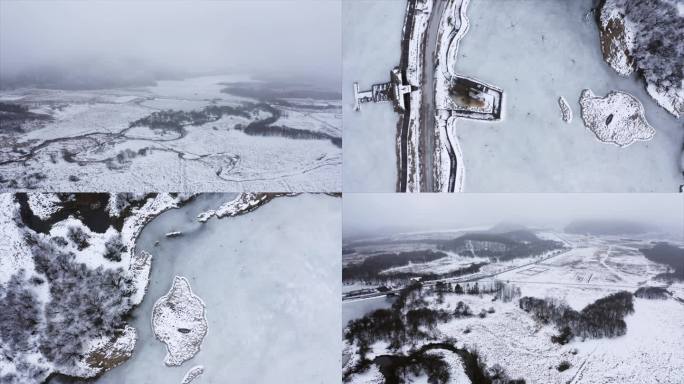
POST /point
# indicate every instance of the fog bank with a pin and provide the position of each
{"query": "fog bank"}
(373, 214)
(91, 43)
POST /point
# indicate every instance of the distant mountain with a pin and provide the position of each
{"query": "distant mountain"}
(507, 226)
(606, 227)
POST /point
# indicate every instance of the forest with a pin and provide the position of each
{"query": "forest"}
(173, 120)
(602, 318)
(13, 117)
(500, 246)
(371, 266)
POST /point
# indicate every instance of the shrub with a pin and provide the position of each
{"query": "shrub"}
(113, 248)
(563, 366)
(79, 237)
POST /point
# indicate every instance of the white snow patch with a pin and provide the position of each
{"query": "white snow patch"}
(617, 118)
(14, 252)
(179, 321)
(566, 111)
(43, 205)
(192, 374)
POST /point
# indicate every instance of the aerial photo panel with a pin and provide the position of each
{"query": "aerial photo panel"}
(341, 191)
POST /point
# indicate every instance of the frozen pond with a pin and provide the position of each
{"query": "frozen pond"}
(370, 49)
(537, 51)
(270, 281)
(356, 309)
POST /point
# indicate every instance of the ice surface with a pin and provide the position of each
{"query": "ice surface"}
(354, 309)
(370, 49)
(270, 281)
(192, 374)
(551, 48)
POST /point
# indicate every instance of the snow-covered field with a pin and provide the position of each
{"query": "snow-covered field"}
(88, 145)
(648, 353)
(447, 264)
(508, 336)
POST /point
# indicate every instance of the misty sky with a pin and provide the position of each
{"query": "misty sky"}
(298, 38)
(367, 214)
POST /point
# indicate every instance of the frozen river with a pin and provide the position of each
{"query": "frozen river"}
(270, 281)
(538, 51)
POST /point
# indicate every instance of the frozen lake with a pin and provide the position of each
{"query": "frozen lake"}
(370, 49)
(352, 310)
(270, 281)
(538, 51)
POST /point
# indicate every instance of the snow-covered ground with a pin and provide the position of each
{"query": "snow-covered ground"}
(370, 49)
(508, 336)
(270, 282)
(88, 145)
(648, 353)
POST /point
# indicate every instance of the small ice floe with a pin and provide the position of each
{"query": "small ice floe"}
(179, 320)
(174, 234)
(192, 374)
(617, 118)
(566, 111)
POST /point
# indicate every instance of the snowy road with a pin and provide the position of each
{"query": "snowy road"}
(427, 108)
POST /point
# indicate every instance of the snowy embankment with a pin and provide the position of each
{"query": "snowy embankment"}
(179, 320)
(646, 37)
(617, 118)
(453, 27)
(416, 24)
(243, 203)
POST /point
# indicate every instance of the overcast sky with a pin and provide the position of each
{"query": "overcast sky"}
(372, 213)
(301, 38)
